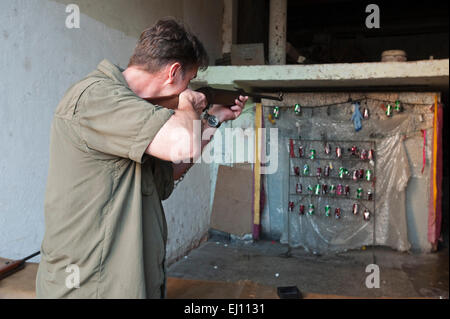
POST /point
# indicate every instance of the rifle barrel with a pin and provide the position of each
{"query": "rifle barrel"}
(31, 256)
(269, 97)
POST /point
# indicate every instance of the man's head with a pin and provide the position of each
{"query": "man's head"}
(170, 55)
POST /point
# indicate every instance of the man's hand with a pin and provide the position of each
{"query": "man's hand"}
(196, 99)
(225, 113)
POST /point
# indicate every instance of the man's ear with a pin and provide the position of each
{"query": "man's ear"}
(174, 70)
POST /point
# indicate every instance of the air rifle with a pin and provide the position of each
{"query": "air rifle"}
(214, 96)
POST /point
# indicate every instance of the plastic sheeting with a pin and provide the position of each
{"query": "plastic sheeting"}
(318, 233)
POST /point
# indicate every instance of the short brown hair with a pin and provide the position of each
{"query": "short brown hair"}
(165, 42)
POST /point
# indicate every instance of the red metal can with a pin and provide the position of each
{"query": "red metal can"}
(355, 209)
(363, 155)
(361, 173)
(347, 190)
(355, 175)
(340, 189)
(324, 189)
(338, 152)
(371, 155)
(327, 171)
(291, 206)
(337, 213)
(327, 148)
(366, 113)
(302, 210)
(369, 195)
(319, 172)
(300, 151)
(366, 214)
(298, 188)
(297, 170)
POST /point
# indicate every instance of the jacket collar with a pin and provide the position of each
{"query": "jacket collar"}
(112, 71)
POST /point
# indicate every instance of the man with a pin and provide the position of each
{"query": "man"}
(112, 156)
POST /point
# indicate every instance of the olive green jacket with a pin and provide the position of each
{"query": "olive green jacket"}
(104, 222)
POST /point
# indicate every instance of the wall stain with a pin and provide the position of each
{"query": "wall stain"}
(27, 64)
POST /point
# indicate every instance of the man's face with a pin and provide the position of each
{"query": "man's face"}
(168, 82)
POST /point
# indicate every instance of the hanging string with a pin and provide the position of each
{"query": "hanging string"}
(349, 100)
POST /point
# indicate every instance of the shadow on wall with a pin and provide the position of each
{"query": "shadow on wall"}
(202, 17)
(112, 13)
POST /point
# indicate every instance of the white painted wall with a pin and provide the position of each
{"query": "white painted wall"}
(39, 59)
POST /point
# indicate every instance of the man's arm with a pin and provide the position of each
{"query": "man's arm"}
(181, 168)
(177, 140)
(223, 114)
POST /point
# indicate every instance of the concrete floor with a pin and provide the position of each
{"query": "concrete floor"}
(266, 263)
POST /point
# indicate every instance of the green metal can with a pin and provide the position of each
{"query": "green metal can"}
(368, 175)
(306, 170)
(398, 106)
(317, 189)
(389, 110)
(311, 209)
(342, 171)
(327, 210)
(312, 154)
(276, 112)
(332, 189)
(297, 109)
(359, 192)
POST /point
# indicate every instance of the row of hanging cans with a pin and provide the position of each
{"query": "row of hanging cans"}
(354, 152)
(357, 174)
(337, 210)
(339, 190)
(298, 109)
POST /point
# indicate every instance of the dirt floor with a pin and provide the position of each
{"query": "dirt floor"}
(266, 262)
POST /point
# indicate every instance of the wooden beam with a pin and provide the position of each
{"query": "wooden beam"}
(257, 174)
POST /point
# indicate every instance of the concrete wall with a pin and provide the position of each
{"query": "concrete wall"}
(40, 58)
(205, 19)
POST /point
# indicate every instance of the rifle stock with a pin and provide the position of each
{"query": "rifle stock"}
(10, 267)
